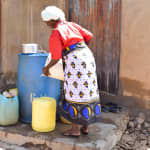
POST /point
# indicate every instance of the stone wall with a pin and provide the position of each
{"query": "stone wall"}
(135, 57)
(21, 23)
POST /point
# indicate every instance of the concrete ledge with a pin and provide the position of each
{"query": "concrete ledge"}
(102, 136)
(6, 146)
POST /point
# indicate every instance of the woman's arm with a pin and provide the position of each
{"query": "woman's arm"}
(55, 46)
(46, 68)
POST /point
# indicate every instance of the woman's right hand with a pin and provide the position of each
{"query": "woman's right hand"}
(46, 71)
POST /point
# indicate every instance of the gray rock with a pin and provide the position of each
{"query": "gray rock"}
(148, 141)
(127, 138)
(137, 145)
(143, 144)
(131, 143)
(140, 118)
(142, 137)
(146, 125)
(144, 131)
(131, 124)
(139, 126)
(127, 132)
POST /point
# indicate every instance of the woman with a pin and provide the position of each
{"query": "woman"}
(69, 41)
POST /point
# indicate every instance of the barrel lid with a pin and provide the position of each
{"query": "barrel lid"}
(33, 54)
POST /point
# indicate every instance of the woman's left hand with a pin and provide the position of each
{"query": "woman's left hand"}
(46, 71)
(46, 68)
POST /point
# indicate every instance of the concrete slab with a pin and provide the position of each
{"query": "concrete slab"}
(6, 146)
(102, 136)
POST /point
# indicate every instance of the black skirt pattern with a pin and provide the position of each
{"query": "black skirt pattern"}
(81, 104)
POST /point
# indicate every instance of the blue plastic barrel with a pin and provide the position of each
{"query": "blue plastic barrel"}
(32, 84)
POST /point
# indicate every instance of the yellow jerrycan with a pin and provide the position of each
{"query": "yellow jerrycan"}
(43, 114)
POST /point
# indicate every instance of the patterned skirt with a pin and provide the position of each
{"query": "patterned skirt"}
(81, 104)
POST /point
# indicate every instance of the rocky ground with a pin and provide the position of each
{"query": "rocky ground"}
(137, 134)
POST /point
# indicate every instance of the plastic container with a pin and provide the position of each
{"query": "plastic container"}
(13, 92)
(9, 110)
(64, 120)
(43, 114)
(30, 48)
(30, 83)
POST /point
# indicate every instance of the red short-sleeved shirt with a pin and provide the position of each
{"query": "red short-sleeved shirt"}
(64, 35)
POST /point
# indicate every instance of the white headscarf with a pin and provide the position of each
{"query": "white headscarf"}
(52, 13)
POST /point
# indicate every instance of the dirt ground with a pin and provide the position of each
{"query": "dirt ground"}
(137, 134)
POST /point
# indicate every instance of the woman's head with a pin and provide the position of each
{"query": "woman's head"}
(51, 15)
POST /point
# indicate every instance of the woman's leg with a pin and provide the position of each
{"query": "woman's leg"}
(84, 129)
(74, 131)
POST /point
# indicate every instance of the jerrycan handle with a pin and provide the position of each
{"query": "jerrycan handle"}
(43, 94)
(32, 95)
